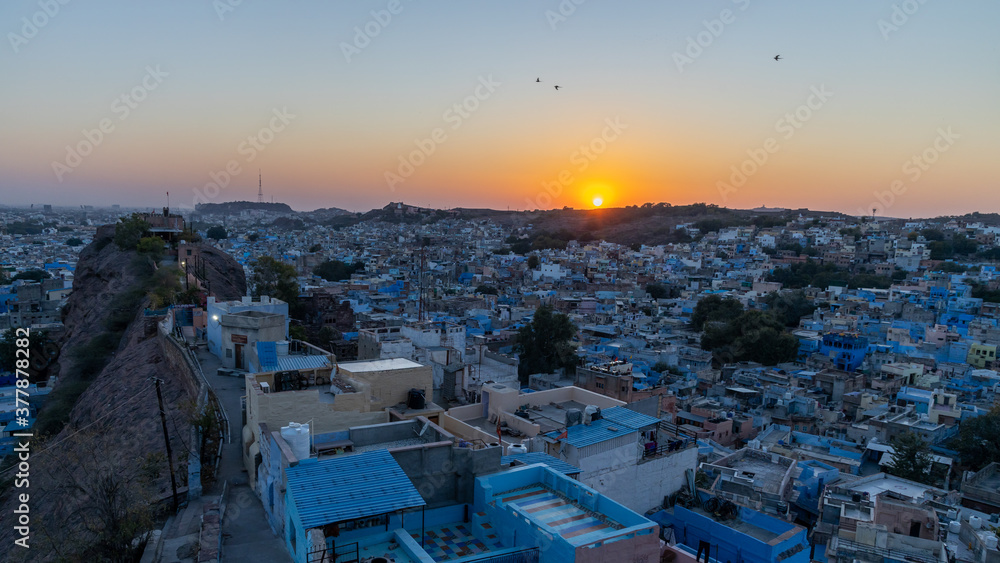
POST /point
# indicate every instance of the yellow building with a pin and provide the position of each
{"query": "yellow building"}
(334, 398)
(982, 355)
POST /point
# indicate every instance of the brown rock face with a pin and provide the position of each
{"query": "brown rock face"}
(113, 442)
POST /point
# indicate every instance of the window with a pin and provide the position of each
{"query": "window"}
(229, 352)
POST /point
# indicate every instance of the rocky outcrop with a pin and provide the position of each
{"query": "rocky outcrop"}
(224, 275)
(113, 442)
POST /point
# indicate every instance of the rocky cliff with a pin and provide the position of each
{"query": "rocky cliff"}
(93, 485)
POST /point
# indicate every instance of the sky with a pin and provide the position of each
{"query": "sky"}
(889, 106)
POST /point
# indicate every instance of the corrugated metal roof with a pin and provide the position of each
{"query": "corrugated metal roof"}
(630, 418)
(351, 487)
(583, 435)
(302, 362)
(540, 457)
(267, 356)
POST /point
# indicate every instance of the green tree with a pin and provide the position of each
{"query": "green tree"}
(335, 270)
(543, 345)
(714, 308)
(74, 241)
(533, 261)
(276, 279)
(32, 275)
(487, 290)
(789, 306)
(252, 237)
(316, 247)
(911, 459)
(129, 231)
(932, 234)
(963, 245)
(951, 268)
(753, 336)
(151, 246)
(978, 440)
(658, 290)
(297, 332)
(217, 232)
(941, 250)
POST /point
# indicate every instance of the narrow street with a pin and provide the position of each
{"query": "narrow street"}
(246, 534)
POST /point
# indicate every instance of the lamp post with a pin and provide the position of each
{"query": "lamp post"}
(184, 265)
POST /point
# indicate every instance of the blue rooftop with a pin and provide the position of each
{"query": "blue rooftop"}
(601, 430)
(348, 488)
(629, 418)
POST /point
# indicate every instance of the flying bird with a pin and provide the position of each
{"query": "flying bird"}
(538, 80)
(777, 57)
(557, 87)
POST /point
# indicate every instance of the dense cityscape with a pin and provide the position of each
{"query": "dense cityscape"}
(389, 281)
(420, 384)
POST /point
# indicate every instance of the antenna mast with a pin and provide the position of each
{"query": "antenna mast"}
(260, 187)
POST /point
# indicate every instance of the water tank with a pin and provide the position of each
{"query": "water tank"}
(788, 396)
(990, 541)
(953, 514)
(954, 526)
(976, 522)
(754, 444)
(297, 437)
(573, 417)
(281, 347)
(415, 399)
(517, 449)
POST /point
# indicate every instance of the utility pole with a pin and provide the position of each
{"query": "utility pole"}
(166, 439)
(420, 285)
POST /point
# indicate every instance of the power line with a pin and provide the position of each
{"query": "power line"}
(75, 432)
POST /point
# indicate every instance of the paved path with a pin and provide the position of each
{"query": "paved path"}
(247, 537)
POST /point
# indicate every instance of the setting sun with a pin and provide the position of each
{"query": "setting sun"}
(598, 201)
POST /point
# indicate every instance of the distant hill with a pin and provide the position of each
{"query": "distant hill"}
(239, 206)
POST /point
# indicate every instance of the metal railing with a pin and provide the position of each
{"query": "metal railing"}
(529, 555)
(347, 553)
(848, 548)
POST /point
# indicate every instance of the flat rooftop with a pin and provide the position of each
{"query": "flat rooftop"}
(558, 513)
(739, 525)
(890, 483)
(766, 476)
(378, 365)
